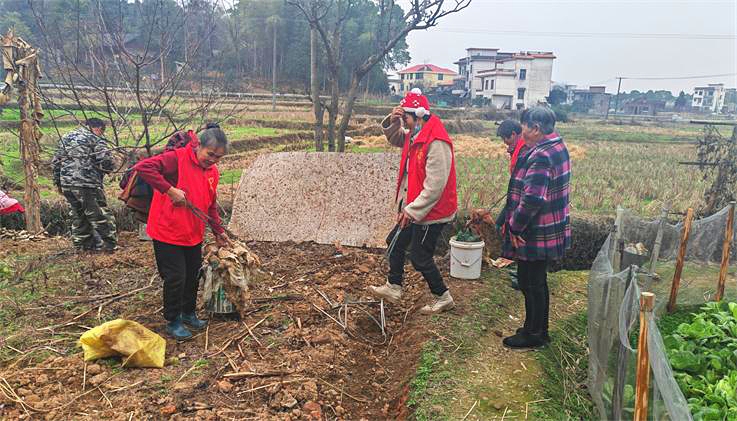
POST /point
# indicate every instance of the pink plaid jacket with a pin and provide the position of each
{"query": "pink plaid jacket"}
(538, 204)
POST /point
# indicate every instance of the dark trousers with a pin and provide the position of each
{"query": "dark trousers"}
(421, 241)
(533, 282)
(90, 215)
(179, 267)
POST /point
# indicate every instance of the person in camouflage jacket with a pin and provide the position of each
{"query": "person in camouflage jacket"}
(80, 163)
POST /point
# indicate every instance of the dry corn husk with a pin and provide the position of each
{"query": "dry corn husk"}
(21, 235)
(232, 268)
(638, 249)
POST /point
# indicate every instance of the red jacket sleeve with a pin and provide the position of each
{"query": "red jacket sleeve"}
(159, 171)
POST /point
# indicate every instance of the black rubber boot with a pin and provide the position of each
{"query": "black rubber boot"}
(192, 321)
(176, 329)
(524, 341)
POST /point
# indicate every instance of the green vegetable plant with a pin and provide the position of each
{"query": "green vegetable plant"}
(465, 235)
(703, 355)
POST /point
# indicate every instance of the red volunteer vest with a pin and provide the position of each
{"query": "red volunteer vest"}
(519, 144)
(433, 130)
(178, 225)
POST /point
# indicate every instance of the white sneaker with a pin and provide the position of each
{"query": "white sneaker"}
(443, 303)
(389, 292)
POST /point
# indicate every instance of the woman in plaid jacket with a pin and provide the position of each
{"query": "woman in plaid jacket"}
(535, 221)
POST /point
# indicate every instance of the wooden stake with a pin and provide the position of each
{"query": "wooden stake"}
(616, 256)
(679, 261)
(647, 300)
(622, 364)
(659, 238)
(726, 249)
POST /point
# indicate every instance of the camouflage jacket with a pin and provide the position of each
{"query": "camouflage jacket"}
(81, 160)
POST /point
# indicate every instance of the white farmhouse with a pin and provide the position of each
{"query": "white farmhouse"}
(708, 99)
(508, 80)
(518, 82)
(476, 60)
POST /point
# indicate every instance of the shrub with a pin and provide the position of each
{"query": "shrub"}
(561, 114)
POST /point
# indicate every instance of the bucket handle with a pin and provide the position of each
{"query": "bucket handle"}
(464, 264)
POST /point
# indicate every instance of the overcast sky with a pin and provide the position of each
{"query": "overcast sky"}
(598, 40)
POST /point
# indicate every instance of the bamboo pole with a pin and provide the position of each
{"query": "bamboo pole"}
(726, 249)
(679, 261)
(647, 301)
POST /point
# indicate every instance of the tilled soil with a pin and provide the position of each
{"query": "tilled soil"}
(293, 361)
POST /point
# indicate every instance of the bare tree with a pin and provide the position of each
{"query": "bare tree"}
(123, 78)
(717, 158)
(328, 17)
(20, 61)
(318, 107)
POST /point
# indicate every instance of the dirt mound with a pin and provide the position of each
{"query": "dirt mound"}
(465, 126)
(287, 358)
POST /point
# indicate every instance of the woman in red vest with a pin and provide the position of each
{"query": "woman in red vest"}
(183, 178)
(511, 133)
(426, 197)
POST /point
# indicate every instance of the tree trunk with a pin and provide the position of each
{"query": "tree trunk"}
(163, 74)
(348, 111)
(334, 91)
(315, 91)
(333, 109)
(76, 52)
(273, 74)
(29, 144)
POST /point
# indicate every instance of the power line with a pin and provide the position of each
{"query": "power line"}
(630, 35)
(680, 77)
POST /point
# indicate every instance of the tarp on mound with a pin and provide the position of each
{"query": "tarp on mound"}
(320, 197)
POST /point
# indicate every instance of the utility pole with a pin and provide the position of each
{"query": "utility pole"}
(273, 72)
(616, 101)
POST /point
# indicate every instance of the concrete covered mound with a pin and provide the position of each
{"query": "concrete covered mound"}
(321, 197)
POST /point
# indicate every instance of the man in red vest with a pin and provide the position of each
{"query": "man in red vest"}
(426, 197)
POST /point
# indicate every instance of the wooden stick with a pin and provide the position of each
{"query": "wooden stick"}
(726, 249)
(469, 411)
(616, 257)
(269, 385)
(620, 380)
(679, 261)
(250, 332)
(246, 374)
(343, 391)
(120, 389)
(194, 366)
(329, 316)
(106, 398)
(647, 300)
(659, 238)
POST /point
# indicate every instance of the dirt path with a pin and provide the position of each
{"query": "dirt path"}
(481, 373)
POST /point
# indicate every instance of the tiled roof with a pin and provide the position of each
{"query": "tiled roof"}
(427, 68)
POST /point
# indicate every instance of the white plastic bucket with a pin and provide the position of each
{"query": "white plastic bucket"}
(465, 259)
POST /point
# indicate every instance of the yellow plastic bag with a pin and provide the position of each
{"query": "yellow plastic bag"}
(139, 346)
